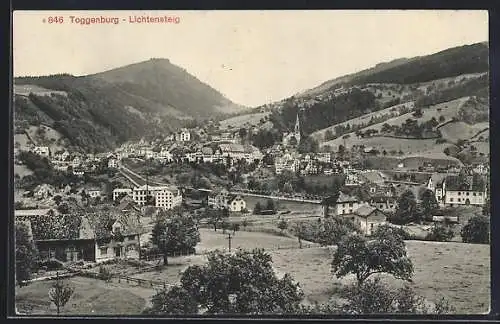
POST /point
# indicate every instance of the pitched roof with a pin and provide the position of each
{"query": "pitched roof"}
(365, 211)
(373, 176)
(437, 178)
(207, 150)
(476, 183)
(345, 198)
(383, 199)
(229, 147)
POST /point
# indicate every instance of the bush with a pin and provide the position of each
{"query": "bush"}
(477, 230)
(105, 274)
(440, 233)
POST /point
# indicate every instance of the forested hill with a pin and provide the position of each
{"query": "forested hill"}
(170, 85)
(448, 63)
(97, 112)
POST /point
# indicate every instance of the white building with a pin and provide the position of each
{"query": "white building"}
(76, 162)
(42, 150)
(225, 200)
(343, 205)
(121, 192)
(112, 163)
(451, 192)
(183, 136)
(166, 197)
(94, 193)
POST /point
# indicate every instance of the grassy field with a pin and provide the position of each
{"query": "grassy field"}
(411, 161)
(320, 134)
(446, 109)
(408, 146)
(22, 170)
(22, 141)
(91, 297)
(26, 89)
(284, 205)
(243, 120)
(457, 271)
(453, 132)
(211, 240)
(49, 138)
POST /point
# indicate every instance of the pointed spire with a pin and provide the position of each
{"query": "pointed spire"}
(297, 124)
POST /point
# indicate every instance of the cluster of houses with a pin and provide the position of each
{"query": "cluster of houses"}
(449, 190)
(308, 163)
(91, 238)
(77, 163)
(165, 197)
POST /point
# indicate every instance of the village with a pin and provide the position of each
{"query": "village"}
(176, 180)
(367, 196)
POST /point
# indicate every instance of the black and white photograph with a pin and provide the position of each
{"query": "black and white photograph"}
(251, 162)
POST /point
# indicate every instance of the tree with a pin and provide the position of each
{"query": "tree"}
(282, 225)
(333, 229)
(257, 209)
(235, 227)
(300, 232)
(357, 255)
(172, 301)
(57, 199)
(429, 204)
(329, 135)
(440, 233)
(477, 230)
(215, 217)
(244, 223)
(376, 297)
(270, 205)
(243, 133)
(60, 293)
(26, 253)
(178, 234)
(406, 208)
(341, 150)
(224, 225)
(244, 283)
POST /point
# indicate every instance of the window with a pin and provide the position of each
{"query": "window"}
(350, 204)
(459, 200)
(451, 199)
(473, 193)
(103, 250)
(459, 193)
(467, 193)
(343, 211)
(350, 211)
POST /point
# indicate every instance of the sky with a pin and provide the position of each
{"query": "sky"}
(252, 57)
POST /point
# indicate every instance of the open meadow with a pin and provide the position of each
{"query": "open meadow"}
(453, 132)
(91, 297)
(448, 110)
(457, 271)
(243, 120)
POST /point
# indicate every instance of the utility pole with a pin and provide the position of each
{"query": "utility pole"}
(229, 237)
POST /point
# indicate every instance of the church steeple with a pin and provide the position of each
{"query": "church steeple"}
(297, 125)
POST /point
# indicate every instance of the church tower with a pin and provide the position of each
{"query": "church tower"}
(297, 128)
